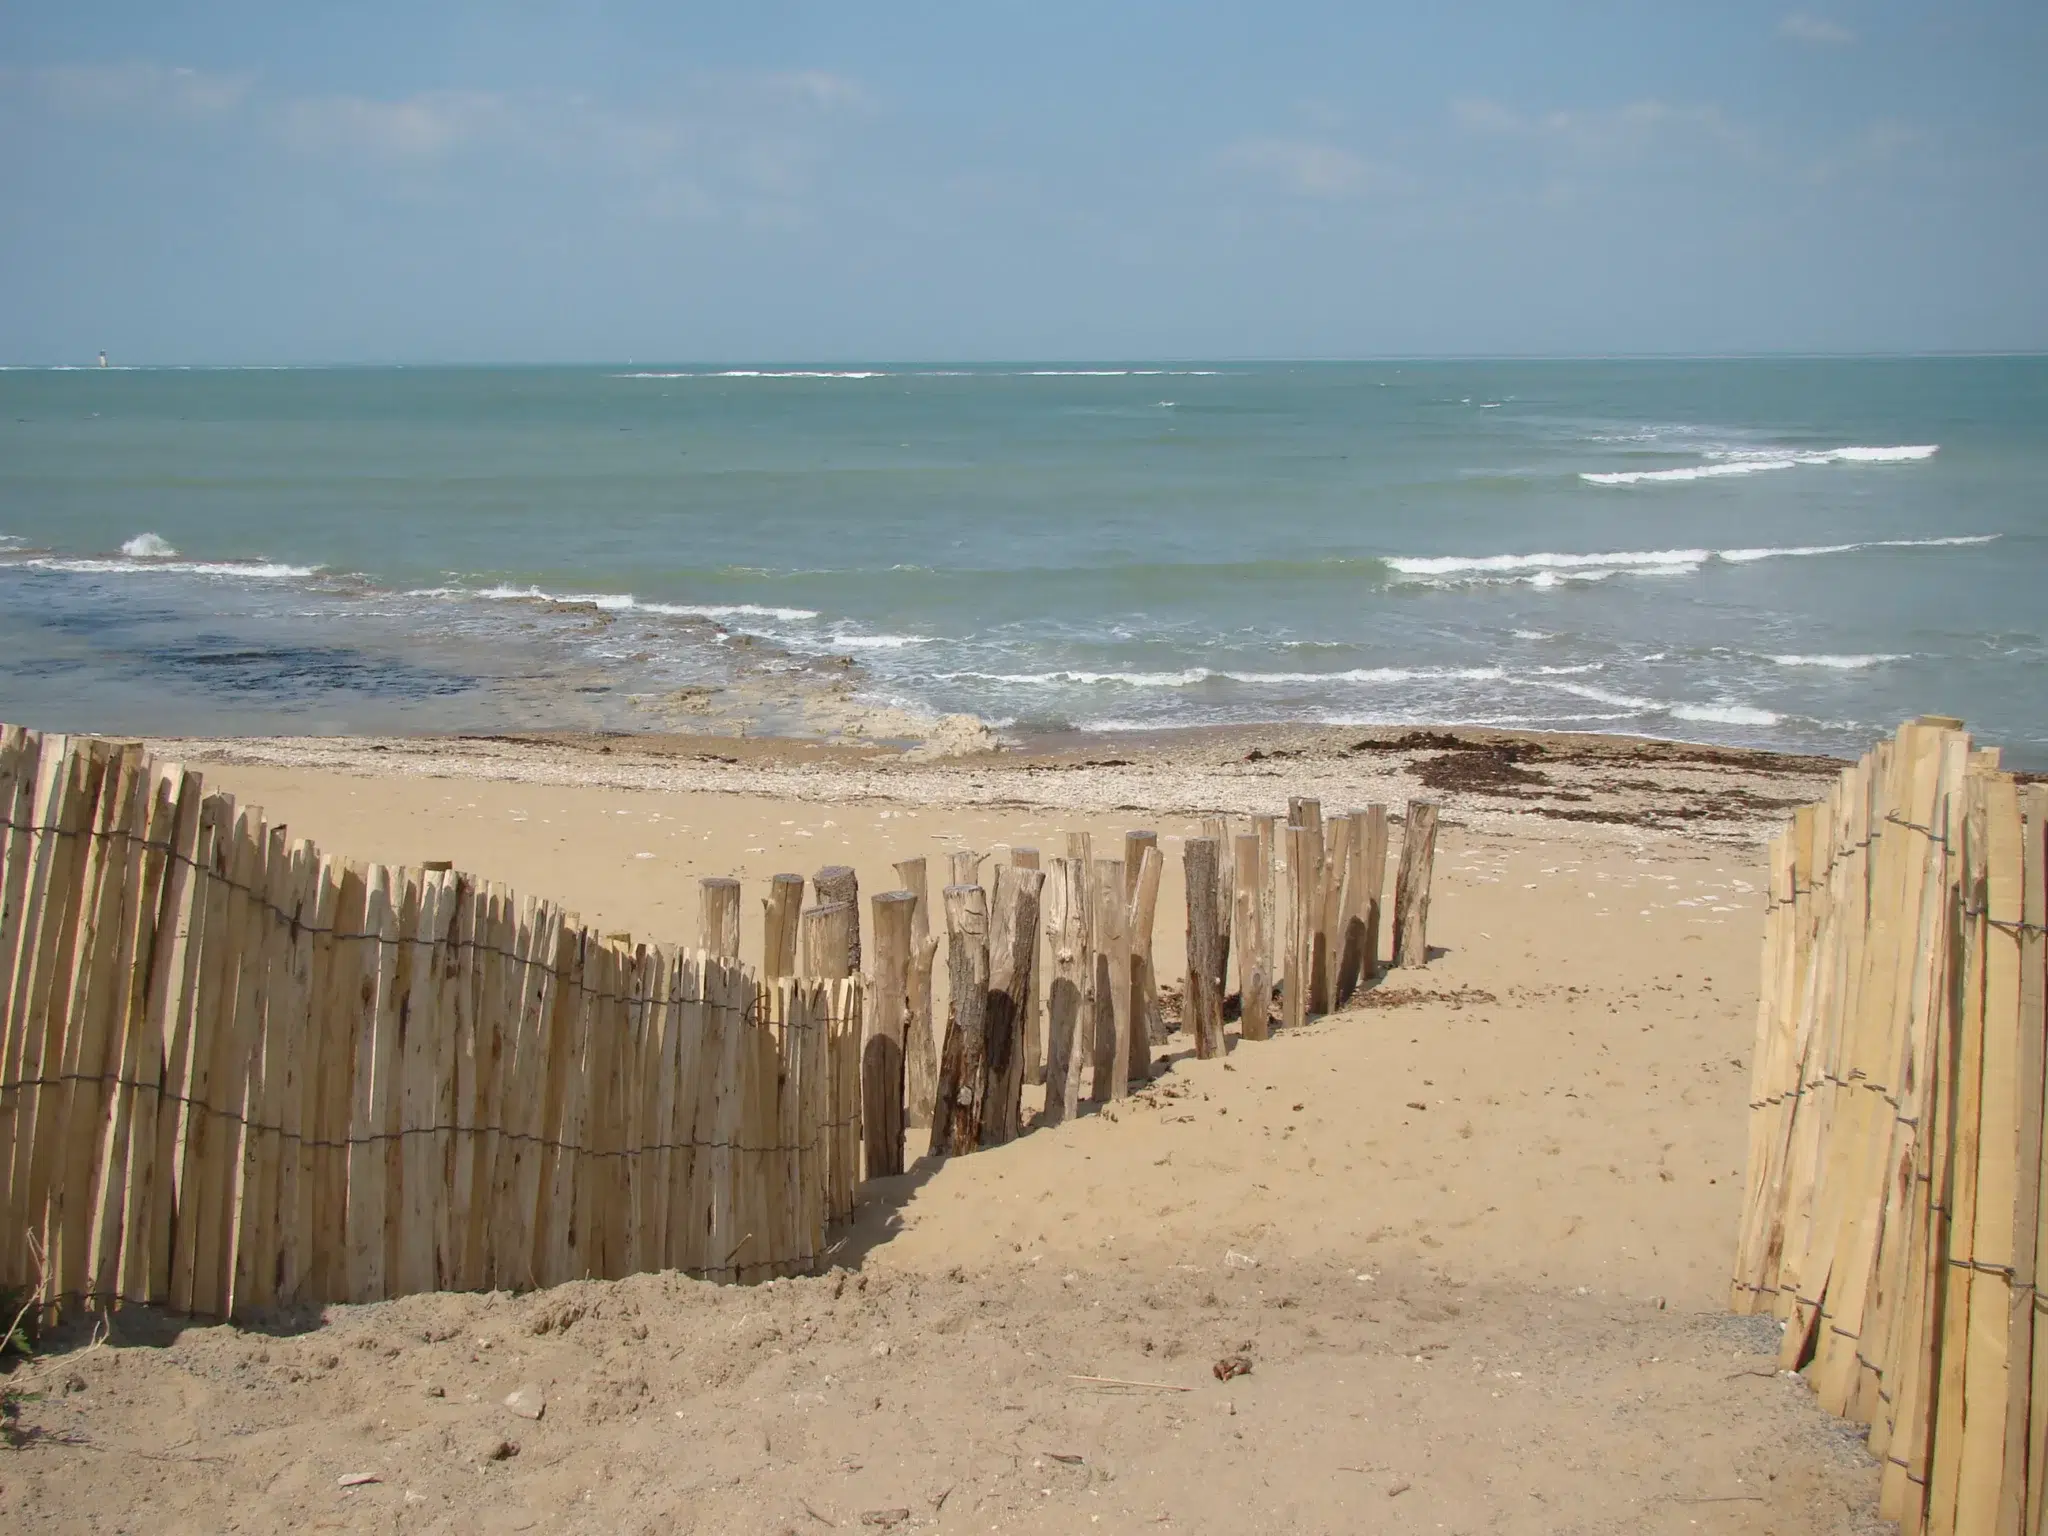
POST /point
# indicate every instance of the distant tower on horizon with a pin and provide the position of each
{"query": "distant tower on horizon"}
(103, 357)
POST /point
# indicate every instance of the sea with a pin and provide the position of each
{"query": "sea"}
(1786, 553)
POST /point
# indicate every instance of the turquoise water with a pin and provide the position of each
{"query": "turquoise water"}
(1781, 552)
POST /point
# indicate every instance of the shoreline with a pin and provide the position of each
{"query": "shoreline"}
(1484, 778)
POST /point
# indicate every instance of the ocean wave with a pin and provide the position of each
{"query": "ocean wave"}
(1768, 552)
(1549, 569)
(252, 570)
(1841, 663)
(1458, 565)
(1724, 714)
(149, 546)
(1190, 676)
(626, 602)
(1742, 461)
(878, 642)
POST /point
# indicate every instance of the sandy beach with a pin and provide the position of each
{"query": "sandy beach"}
(1471, 1234)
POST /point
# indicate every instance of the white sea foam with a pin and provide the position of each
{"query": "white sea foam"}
(252, 570)
(1550, 569)
(1724, 714)
(1193, 675)
(1743, 556)
(1743, 461)
(1458, 565)
(1841, 663)
(149, 546)
(625, 602)
(878, 642)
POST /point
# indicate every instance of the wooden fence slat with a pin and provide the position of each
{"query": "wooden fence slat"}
(99, 982)
(153, 1060)
(45, 1027)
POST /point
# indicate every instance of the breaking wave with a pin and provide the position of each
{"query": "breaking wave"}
(1741, 461)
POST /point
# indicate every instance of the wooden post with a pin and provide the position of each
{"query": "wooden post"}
(1112, 983)
(965, 867)
(1307, 813)
(881, 1069)
(780, 915)
(1372, 885)
(1147, 1029)
(1254, 985)
(1146, 1025)
(1411, 889)
(718, 916)
(1330, 920)
(1270, 852)
(1218, 827)
(920, 1044)
(1204, 1016)
(826, 946)
(1299, 938)
(1069, 999)
(1013, 962)
(837, 883)
(1034, 1012)
(956, 1111)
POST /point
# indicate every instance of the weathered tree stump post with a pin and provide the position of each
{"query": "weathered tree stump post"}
(1012, 967)
(1411, 887)
(718, 916)
(956, 1109)
(1069, 996)
(1205, 989)
(780, 914)
(888, 1014)
(1254, 985)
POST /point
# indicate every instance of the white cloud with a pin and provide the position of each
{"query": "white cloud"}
(1805, 27)
(1304, 167)
(417, 127)
(1620, 133)
(91, 90)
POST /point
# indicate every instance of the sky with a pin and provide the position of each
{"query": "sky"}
(603, 180)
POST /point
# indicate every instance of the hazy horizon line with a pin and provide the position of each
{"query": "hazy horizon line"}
(851, 361)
